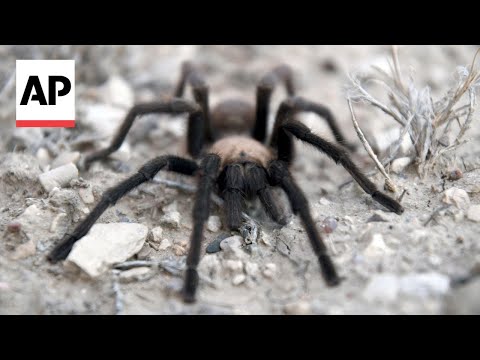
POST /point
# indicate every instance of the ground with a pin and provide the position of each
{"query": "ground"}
(408, 264)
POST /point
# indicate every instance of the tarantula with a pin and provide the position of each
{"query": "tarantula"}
(229, 155)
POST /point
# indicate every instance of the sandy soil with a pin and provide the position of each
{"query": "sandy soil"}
(395, 266)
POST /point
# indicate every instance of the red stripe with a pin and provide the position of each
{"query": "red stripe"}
(46, 123)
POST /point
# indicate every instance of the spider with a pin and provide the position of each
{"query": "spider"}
(229, 154)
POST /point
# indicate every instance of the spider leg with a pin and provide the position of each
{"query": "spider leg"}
(336, 153)
(265, 89)
(190, 75)
(295, 105)
(196, 123)
(280, 175)
(201, 210)
(112, 195)
(232, 187)
(256, 178)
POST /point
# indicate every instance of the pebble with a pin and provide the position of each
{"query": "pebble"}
(234, 266)
(136, 274)
(214, 246)
(270, 270)
(104, 120)
(123, 154)
(382, 287)
(65, 158)
(14, 227)
(324, 201)
(43, 158)
(165, 244)
(107, 244)
(59, 220)
(424, 285)
(454, 175)
(179, 250)
(58, 177)
(329, 225)
(457, 197)
(209, 265)
(252, 269)
(171, 219)
(36, 222)
(377, 247)
(473, 213)
(214, 224)
(232, 243)
(399, 165)
(298, 308)
(116, 91)
(25, 250)
(238, 279)
(157, 234)
(86, 194)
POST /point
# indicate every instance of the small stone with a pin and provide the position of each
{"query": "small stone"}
(454, 175)
(123, 154)
(457, 197)
(116, 91)
(43, 158)
(214, 224)
(86, 194)
(65, 158)
(233, 245)
(234, 266)
(179, 250)
(329, 225)
(473, 213)
(298, 308)
(157, 234)
(25, 250)
(136, 274)
(14, 227)
(214, 246)
(239, 279)
(270, 270)
(107, 244)
(324, 201)
(399, 165)
(252, 269)
(209, 265)
(171, 219)
(165, 244)
(103, 119)
(424, 285)
(58, 177)
(383, 288)
(58, 221)
(377, 247)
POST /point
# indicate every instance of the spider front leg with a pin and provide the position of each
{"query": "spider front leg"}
(112, 195)
(336, 153)
(201, 211)
(196, 125)
(280, 176)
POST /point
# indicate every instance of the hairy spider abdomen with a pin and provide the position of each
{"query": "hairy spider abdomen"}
(241, 149)
(233, 116)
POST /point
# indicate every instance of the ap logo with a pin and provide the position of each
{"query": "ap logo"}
(45, 93)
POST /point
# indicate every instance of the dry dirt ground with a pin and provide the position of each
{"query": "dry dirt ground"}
(402, 265)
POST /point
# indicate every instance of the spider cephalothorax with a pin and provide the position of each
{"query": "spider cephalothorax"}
(234, 159)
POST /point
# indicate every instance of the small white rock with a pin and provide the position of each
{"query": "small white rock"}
(457, 197)
(252, 268)
(324, 201)
(165, 244)
(383, 287)
(298, 308)
(107, 244)
(58, 177)
(474, 213)
(118, 92)
(43, 158)
(86, 194)
(134, 274)
(123, 153)
(377, 247)
(157, 233)
(238, 279)
(270, 270)
(65, 158)
(233, 242)
(214, 224)
(234, 266)
(171, 219)
(399, 165)
(424, 285)
(59, 219)
(103, 119)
